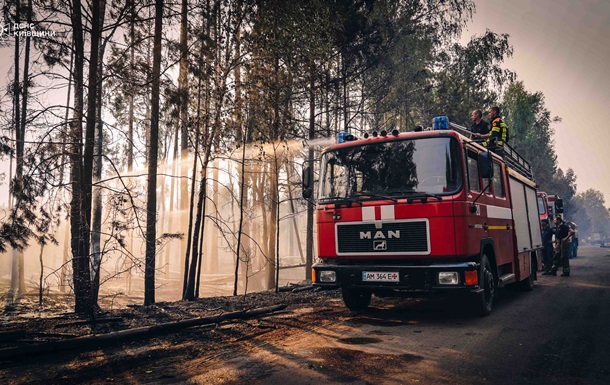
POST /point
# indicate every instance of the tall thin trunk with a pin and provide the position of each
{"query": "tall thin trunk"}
(310, 154)
(151, 204)
(24, 108)
(132, 63)
(128, 264)
(41, 276)
(183, 75)
(345, 96)
(200, 262)
(272, 223)
(213, 256)
(15, 289)
(87, 176)
(276, 192)
(78, 223)
(26, 70)
(97, 171)
(149, 80)
(242, 194)
(200, 253)
(184, 100)
(190, 290)
(173, 207)
(198, 133)
(65, 256)
(240, 130)
(187, 262)
(66, 244)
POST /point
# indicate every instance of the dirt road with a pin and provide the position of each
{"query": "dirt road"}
(557, 334)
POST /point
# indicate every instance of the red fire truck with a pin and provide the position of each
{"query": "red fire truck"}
(427, 211)
(543, 208)
(549, 206)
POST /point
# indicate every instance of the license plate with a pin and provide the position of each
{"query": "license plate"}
(380, 276)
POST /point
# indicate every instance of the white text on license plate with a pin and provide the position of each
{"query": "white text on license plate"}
(380, 276)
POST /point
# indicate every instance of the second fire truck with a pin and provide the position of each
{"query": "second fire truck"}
(428, 211)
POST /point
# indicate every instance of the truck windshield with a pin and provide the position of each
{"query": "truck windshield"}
(394, 169)
(541, 205)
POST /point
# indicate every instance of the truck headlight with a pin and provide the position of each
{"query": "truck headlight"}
(448, 278)
(327, 276)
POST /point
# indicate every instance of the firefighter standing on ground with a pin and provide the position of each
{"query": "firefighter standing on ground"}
(562, 249)
(499, 129)
(574, 242)
(547, 240)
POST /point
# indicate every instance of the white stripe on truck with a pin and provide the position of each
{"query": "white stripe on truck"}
(387, 213)
(368, 214)
(497, 212)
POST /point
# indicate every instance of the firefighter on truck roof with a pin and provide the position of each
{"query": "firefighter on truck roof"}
(498, 134)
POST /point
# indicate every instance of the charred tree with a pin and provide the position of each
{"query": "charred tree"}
(79, 225)
(96, 234)
(184, 101)
(151, 203)
(17, 268)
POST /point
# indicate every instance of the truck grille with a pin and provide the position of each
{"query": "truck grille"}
(409, 237)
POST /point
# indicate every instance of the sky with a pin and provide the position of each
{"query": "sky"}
(562, 49)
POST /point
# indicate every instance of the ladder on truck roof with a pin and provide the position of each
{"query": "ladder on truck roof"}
(509, 155)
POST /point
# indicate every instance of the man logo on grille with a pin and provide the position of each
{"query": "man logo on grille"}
(380, 245)
(380, 235)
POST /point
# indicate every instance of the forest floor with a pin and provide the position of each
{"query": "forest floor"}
(157, 358)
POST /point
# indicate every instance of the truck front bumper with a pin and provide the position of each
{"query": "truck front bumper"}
(437, 277)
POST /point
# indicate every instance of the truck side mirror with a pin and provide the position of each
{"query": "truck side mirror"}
(486, 169)
(307, 181)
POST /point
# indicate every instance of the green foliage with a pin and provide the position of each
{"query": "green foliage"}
(530, 124)
(531, 135)
(471, 77)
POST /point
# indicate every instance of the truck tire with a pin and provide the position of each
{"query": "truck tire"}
(356, 299)
(483, 302)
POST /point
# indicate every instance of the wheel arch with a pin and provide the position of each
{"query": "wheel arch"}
(488, 248)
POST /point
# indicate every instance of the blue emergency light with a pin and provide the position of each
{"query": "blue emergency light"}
(440, 123)
(345, 136)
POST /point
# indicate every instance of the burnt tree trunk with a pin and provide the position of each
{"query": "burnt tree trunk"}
(151, 203)
(79, 226)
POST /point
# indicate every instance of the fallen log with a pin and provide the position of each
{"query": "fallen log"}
(95, 341)
(13, 335)
(89, 322)
(303, 288)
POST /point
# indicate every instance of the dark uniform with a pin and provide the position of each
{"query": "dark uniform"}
(481, 128)
(574, 238)
(547, 241)
(562, 250)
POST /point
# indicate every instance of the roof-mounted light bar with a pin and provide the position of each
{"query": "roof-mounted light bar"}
(440, 123)
(343, 137)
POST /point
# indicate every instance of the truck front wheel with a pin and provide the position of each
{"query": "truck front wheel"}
(483, 301)
(356, 299)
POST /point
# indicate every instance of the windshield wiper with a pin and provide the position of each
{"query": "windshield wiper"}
(374, 195)
(340, 200)
(415, 195)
